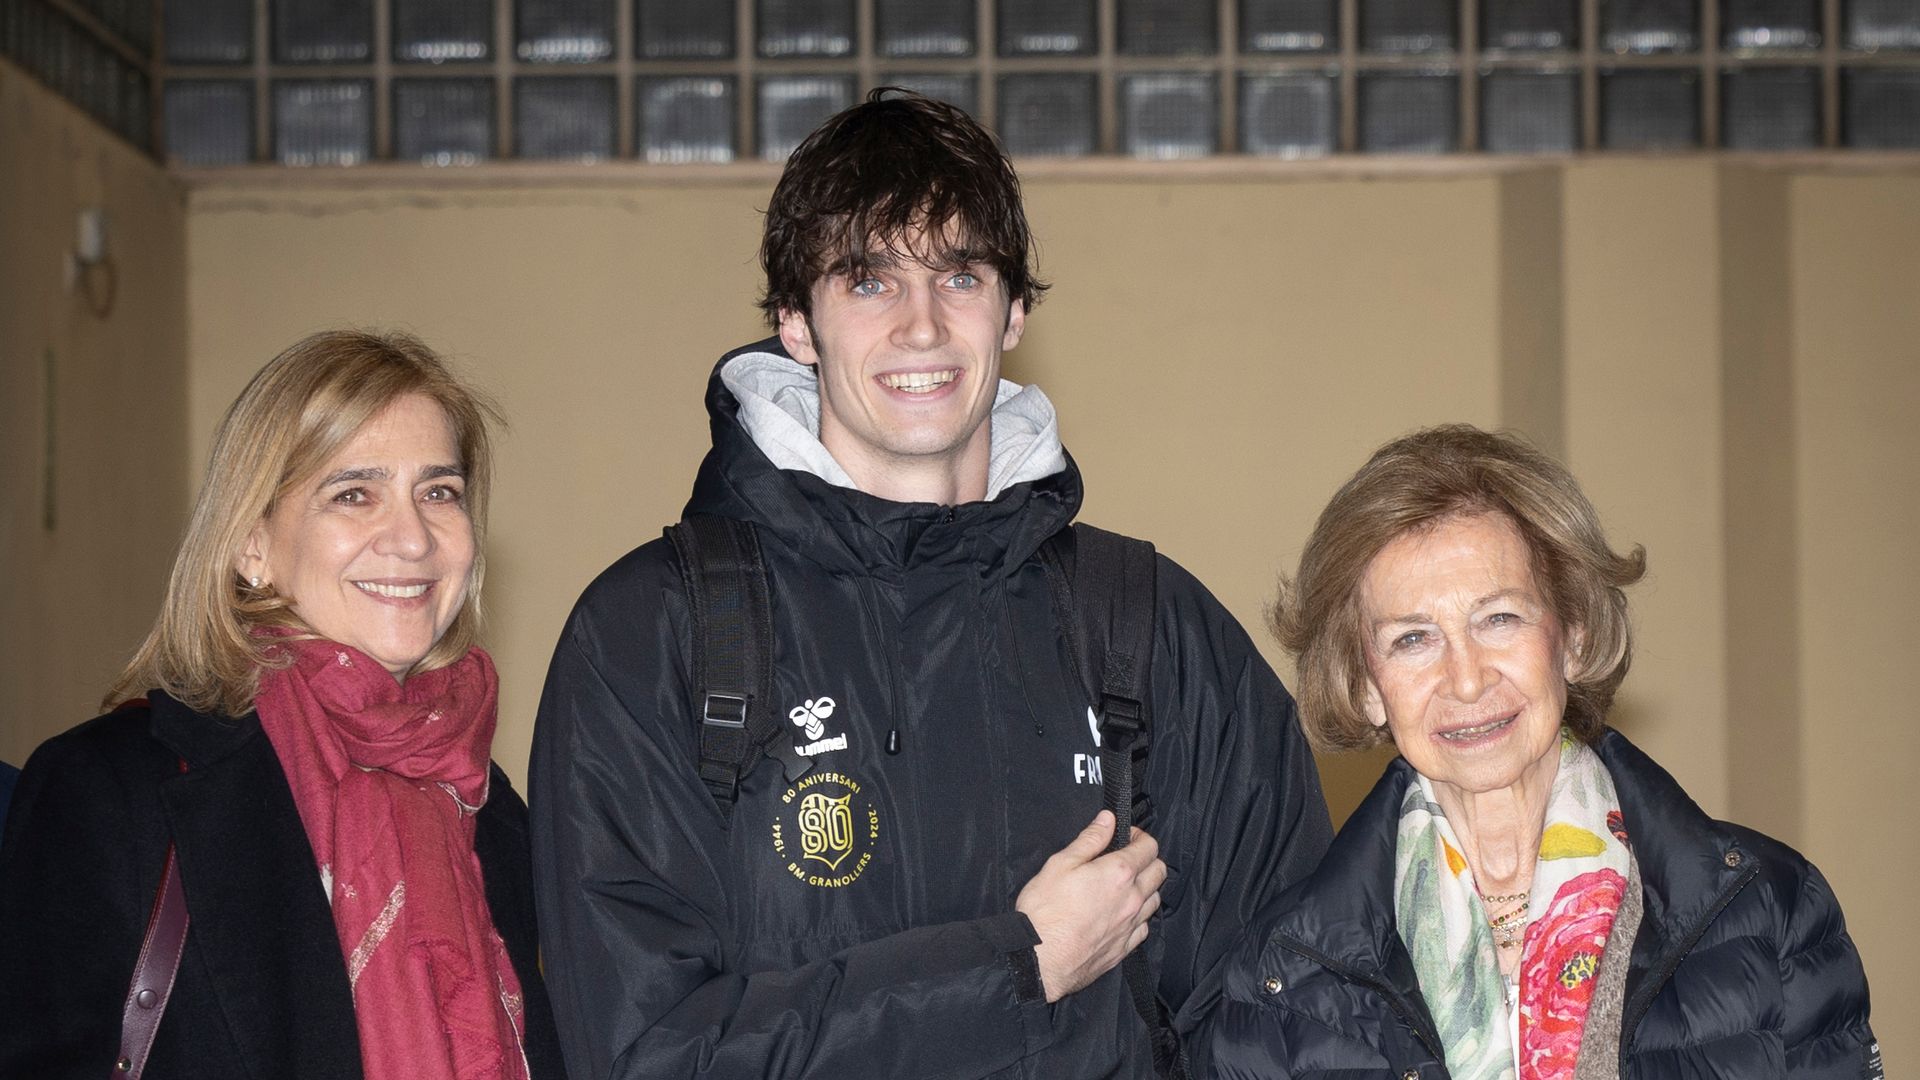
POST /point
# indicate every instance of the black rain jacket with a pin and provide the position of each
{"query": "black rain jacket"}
(861, 922)
(1741, 970)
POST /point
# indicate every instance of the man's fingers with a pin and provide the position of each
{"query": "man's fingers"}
(1154, 876)
(1093, 839)
(1139, 853)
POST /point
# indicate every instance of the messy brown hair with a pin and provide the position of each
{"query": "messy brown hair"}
(899, 176)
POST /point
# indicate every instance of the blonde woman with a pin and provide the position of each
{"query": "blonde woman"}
(302, 743)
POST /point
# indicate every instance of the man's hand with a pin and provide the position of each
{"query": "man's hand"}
(1089, 908)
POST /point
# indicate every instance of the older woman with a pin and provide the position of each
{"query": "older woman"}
(1524, 894)
(305, 758)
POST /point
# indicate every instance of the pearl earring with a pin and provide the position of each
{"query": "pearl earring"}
(254, 581)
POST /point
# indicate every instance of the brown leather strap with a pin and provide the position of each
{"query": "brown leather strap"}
(153, 974)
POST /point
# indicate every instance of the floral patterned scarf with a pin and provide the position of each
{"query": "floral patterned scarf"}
(1577, 886)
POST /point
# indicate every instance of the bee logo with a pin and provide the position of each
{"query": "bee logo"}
(809, 717)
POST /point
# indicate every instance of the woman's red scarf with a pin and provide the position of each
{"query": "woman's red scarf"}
(388, 779)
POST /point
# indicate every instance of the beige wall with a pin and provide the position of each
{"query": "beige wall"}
(1724, 353)
(103, 395)
(1855, 311)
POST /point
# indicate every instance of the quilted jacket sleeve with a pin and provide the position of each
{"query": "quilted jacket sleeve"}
(1824, 990)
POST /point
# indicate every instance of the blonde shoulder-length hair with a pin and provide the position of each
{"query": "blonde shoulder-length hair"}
(1414, 483)
(294, 415)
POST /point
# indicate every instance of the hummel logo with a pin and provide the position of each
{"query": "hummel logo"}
(808, 716)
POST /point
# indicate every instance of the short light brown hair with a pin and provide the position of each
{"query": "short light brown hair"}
(1412, 484)
(294, 415)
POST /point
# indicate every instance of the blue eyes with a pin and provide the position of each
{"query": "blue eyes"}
(963, 281)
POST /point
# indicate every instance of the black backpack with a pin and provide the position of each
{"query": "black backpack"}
(1102, 586)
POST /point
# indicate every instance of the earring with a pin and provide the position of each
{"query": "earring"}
(254, 581)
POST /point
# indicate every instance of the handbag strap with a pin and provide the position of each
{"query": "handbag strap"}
(153, 974)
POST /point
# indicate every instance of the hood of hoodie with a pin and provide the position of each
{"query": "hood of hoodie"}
(768, 466)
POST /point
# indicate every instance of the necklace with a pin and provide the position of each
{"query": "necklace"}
(1509, 925)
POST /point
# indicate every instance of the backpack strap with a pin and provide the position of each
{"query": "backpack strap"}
(1104, 601)
(1102, 585)
(726, 586)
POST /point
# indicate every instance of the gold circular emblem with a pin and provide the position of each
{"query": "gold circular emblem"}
(826, 829)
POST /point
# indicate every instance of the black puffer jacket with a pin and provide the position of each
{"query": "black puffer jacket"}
(871, 932)
(1742, 968)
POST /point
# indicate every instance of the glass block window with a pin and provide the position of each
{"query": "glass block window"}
(924, 28)
(1881, 108)
(1046, 27)
(1881, 24)
(1529, 25)
(1770, 109)
(686, 118)
(1406, 26)
(1288, 26)
(322, 31)
(443, 121)
(1649, 26)
(1289, 115)
(1168, 28)
(442, 31)
(961, 91)
(129, 20)
(791, 106)
(1409, 112)
(683, 30)
(1169, 116)
(564, 118)
(209, 123)
(1770, 24)
(1530, 112)
(1049, 115)
(1650, 110)
(323, 121)
(563, 31)
(805, 27)
(209, 32)
(716, 81)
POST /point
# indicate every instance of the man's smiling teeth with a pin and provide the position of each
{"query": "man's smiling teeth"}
(1475, 732)
(919, 382)
(396, 592)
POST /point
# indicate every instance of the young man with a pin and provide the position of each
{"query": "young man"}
(932, 896)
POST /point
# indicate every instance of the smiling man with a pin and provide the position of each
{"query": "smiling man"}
(921, 884)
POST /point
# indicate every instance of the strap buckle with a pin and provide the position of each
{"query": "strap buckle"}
(725, 710)
(1121, 716)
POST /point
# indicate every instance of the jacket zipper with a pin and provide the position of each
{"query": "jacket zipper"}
(1644, 1000)
(1429, 1038)
(869, 607)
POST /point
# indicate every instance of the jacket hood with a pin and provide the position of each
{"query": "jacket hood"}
(768, 466)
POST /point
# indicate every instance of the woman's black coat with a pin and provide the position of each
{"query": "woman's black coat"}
(1742, 968)
(262, 991)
